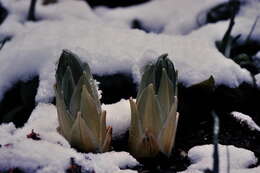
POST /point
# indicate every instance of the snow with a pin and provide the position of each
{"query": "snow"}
(171, 17)
(107, 161)
(65, 8)
(118, 116)
(52, 153)
(245, 119)
(237, 160)
(108, 50)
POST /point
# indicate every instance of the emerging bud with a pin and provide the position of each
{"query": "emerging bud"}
(81, 119)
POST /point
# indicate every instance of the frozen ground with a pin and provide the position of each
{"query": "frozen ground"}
(173, 18)
(104, 39)
(52, 153)
(118, 116)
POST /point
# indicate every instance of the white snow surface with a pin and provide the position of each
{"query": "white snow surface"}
(171, 17)
(52, 153)
(118, 116)
(242, 118)
(236, 160)
(36, 47)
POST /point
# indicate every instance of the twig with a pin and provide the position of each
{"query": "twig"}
(2, 42)
(215, 143)
(31, 13)
(226, 42)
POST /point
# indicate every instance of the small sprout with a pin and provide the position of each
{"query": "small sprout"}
(81, 120)
(154, 115)
(240, 51)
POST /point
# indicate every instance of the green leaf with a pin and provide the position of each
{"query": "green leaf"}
(147, 78)
(76, 96)
(82, 137)
(64, 117)
(107, 141)
(72, 60)
(89, 111)
(165, 94)
(149, 109)
(166, 63)
(68, 86)
(168, 132)
(103, 128)
(92, 89)
(135, 131)
(87, 70)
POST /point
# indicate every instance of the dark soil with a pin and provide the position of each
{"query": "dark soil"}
(18, 102)
(16, 170)
(116, 87)
(3, 13)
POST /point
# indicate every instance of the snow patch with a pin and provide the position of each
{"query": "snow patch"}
(171, 17)
(35, 47)
(52, 153)
(242, 118)
(35, 51)
(236, 160)
(118, 116)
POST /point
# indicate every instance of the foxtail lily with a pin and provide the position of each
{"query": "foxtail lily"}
(154, 115)
(81, 120)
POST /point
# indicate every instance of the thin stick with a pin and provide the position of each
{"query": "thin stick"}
(31, 13)
(215, 143)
